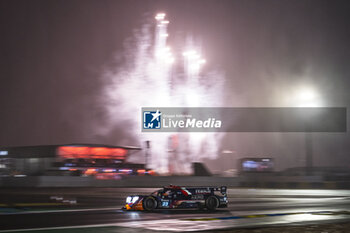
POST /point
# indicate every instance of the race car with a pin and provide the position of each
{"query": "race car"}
(171, 197)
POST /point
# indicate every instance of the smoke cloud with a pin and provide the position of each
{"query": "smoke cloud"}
(150, 74)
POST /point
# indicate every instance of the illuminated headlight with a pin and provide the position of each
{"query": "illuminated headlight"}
(135, 199)
(132, 199)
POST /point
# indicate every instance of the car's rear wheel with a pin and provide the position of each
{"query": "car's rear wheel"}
(212, 203)
(149, 203)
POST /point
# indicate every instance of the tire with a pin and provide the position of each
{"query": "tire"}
(212, 203)
(149, 203)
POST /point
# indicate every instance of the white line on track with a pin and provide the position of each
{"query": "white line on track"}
(62, 228)
(58, 211)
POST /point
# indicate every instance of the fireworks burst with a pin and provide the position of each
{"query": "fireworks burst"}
(148, 79)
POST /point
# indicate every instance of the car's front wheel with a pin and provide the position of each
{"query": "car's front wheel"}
(212, 203)
(149, 203)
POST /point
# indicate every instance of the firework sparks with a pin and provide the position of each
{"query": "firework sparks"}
(151, 81)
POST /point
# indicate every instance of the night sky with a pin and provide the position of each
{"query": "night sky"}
(53, 55)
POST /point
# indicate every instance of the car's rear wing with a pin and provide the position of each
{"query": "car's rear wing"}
(200, 190)
(206, 190)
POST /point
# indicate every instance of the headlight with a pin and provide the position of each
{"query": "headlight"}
(131, 199)
(135, 199)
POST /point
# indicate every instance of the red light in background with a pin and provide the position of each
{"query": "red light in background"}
(76, 152)
(119, 151)
(90, 171)
(109, 170)
(99, 152)
(151, 172)
(141, 172)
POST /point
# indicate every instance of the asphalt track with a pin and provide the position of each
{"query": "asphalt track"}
(98, 210)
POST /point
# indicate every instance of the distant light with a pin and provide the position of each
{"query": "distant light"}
(142, 171)
(164, 22)
(307, 94)
(164, 35)
(125, 170)
(109, 170)
(151, 172)
(307, 97)
(227, 151)
(4, 152)
(160, 16)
